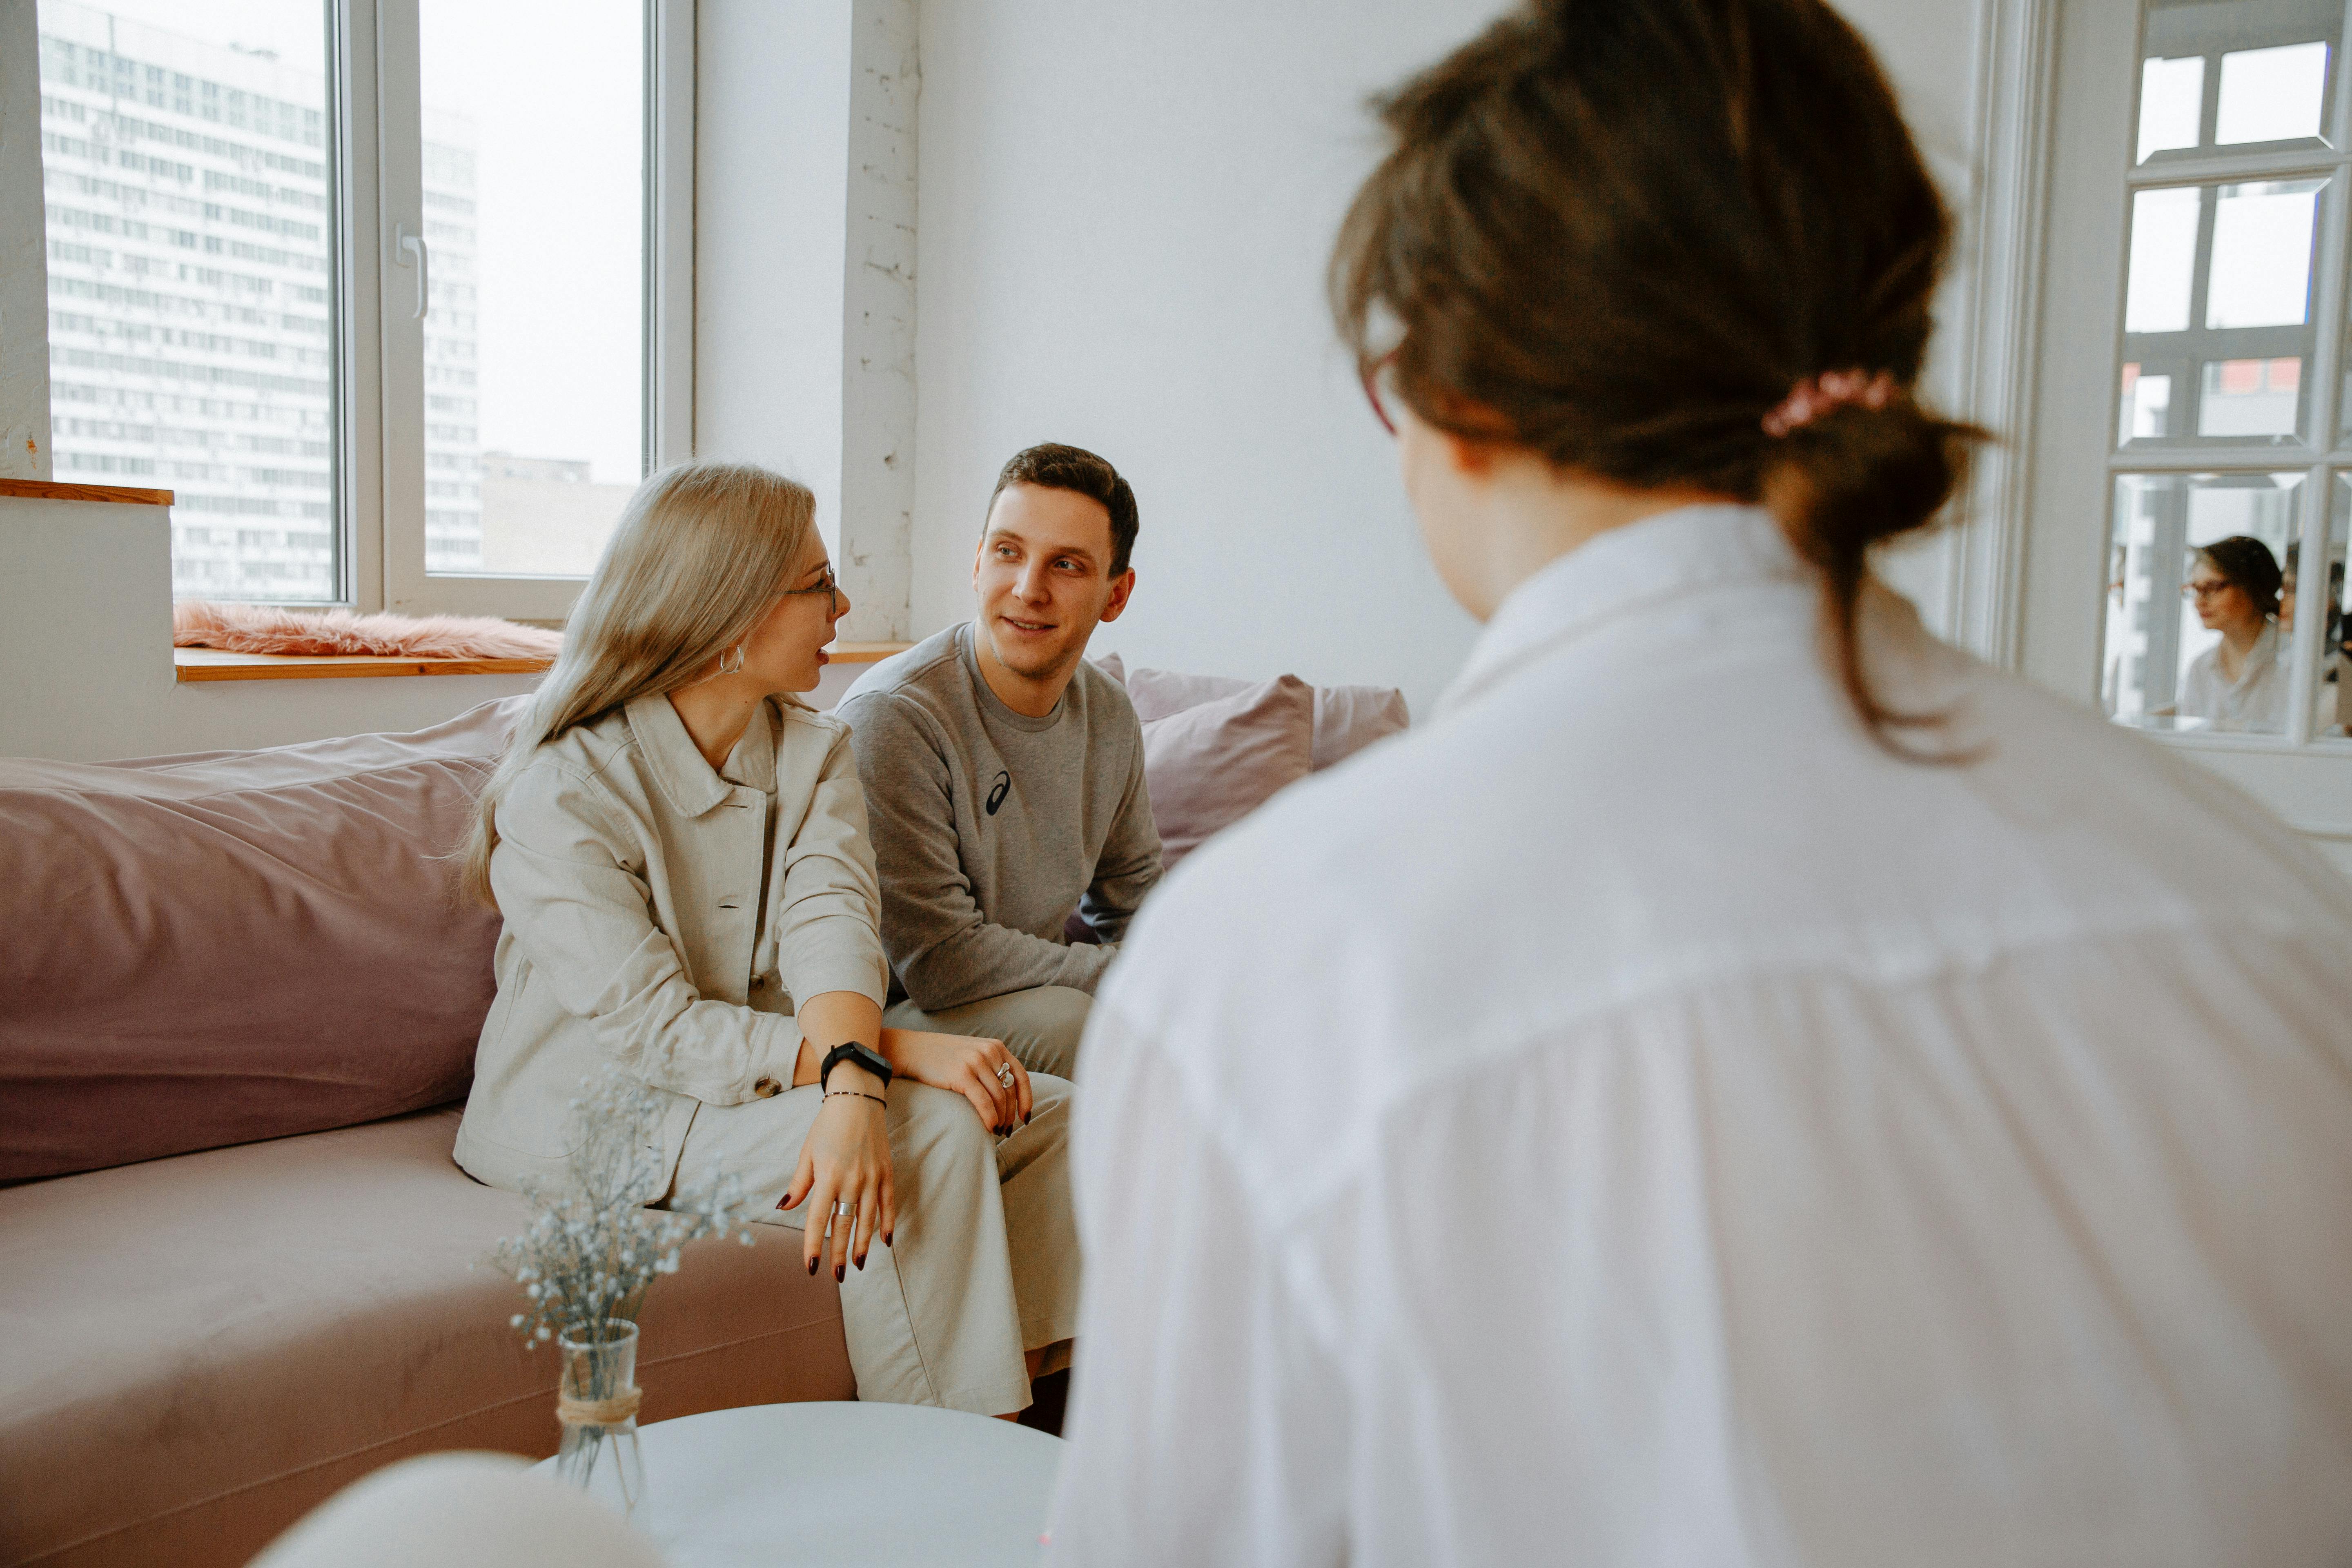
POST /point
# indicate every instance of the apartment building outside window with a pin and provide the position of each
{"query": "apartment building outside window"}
(274, 288)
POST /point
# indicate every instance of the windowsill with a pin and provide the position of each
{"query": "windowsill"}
(214, 663)
(45, 490)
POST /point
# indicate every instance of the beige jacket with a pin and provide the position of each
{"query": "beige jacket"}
(633, 880)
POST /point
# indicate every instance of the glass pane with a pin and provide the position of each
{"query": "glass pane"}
(2262, 254)
(2234, 73)
(2217, 313)
(2171, 103)
(534, 347)
(2163, 259)
(185, 160)
(2332, 699)
(2194, 641)
(2271, 95)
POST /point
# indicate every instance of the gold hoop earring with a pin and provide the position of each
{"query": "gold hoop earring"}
(736, 668)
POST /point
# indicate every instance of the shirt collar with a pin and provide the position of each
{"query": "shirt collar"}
(2260, 657)
(1666, 556)
(689, 784)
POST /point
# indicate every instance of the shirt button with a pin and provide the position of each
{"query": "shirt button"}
(767, 1089)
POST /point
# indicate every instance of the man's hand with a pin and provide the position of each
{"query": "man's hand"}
(968, 1065)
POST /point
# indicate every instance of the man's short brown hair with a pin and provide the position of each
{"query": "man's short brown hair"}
(1055, 467)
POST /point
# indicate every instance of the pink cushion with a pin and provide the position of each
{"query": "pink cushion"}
(1214, 763)
(1346, 718)
(207, 950)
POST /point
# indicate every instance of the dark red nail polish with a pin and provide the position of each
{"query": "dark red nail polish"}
(811, 1266)
(861, 1263)
(839, 1273)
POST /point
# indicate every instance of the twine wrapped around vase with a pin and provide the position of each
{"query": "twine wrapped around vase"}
(610, 1412)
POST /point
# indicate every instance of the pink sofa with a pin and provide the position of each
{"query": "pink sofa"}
(247, 972)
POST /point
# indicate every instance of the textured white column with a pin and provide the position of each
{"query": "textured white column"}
(877, 391)
(23, 253)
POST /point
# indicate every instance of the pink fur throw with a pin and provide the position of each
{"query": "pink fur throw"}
(263, 628)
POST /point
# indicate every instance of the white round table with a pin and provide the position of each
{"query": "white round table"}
(844, 1483)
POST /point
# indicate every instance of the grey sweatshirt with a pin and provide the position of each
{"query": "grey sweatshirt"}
(990, 828)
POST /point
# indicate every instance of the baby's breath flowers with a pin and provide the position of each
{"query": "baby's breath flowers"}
(593, 1248)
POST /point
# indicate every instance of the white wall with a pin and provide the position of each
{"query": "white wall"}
(86, 653)
(1126, 215)
(804, 270)
(772, 156)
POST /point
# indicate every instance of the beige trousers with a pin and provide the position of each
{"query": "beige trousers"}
(1041, 1025)
(983, 1265)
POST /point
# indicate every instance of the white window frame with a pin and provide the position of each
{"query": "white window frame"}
(381, 405)
(2085, 57)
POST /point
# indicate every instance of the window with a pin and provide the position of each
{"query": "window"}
(2224, 460)
(2182, 559)
(302, 273)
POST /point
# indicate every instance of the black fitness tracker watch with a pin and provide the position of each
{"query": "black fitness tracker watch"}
(851, 1051)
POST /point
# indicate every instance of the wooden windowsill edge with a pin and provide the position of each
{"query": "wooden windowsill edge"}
(45, 490)
(214, 663)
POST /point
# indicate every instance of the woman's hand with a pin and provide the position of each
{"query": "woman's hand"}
(967, 1065)
(845, 1159)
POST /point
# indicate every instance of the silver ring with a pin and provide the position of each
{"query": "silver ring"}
(843, 1206)
(1004, 1074)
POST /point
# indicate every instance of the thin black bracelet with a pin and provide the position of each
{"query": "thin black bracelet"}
(861, 1094)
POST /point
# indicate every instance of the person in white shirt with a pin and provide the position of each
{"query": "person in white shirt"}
(1906, 1119)
(2240, 684)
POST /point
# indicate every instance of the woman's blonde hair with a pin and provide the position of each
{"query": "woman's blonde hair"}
(698, 557)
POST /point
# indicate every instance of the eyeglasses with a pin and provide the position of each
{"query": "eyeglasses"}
(1370, 377)
(830, 588)
(2203, 591)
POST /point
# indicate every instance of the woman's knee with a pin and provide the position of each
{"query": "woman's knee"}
(938, 1125)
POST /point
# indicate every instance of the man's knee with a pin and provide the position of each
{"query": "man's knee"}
(1051, 1021)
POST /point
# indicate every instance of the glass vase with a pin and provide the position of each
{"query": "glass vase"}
(597, 1403)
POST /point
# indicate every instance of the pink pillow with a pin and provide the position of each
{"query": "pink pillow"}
(212, 949)
(1215, 761)
(1346, 718)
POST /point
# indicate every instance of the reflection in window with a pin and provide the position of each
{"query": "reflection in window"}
(2250, 397)
(2148, 400)
(2332, 697)
(2194, 638)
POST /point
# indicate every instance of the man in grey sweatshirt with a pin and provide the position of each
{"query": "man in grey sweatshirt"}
(1003, 775)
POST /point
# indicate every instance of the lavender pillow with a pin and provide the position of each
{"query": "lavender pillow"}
(1212, 764)
(214, 948)
(1346, 718)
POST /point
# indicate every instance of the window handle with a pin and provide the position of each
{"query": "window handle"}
(413, 245)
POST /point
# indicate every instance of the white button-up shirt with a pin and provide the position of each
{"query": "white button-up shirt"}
(1634, 1118)
(2254, 703)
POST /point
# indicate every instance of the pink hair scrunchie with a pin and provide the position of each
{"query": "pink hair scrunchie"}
(1811, 398)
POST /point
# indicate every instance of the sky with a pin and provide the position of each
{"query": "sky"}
(558, 131)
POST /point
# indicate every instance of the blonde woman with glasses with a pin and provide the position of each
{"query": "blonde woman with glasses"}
(679, 847)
